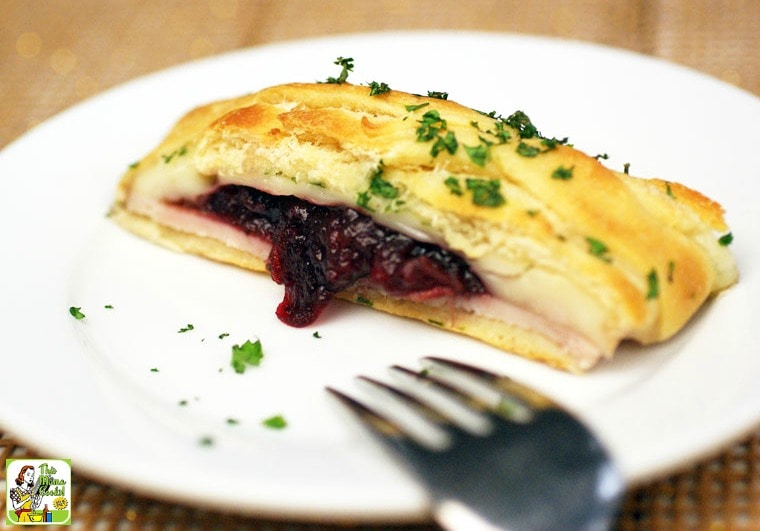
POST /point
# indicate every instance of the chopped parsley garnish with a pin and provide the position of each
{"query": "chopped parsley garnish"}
(134, 165)
(154, 369)
(438, 95)
(481, 153)
(223, 335)
(108, 306)
(246, 354)
(448, 143)
(186, 329)
(671, 270)
(412, 108)
(430, 126)
(363, 300)
(598, 249)
(626, 167)
(76, 313)
(526, 150)
(316, 334)
(347, 65)
(182, 403)
(520, 121)
(276, 422)
(362, 199)
(376, 88)
(726, 239)
(552, 143)
(502, 134)
(669, 191)
(176, 153)
(232, 422)
(486, 193)
(452, 183)
(378, 187)
(435, 322)
(653, 284)
(603, 156)
(562, 173)
(206, 440)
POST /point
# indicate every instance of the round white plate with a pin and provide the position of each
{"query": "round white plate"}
(85, 389)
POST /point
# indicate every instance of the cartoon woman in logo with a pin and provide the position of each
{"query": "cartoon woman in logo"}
(24, 497)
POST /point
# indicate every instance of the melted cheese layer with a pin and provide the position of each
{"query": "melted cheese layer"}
(584, 351)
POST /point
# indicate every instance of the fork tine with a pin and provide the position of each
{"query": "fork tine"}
(391, 433)
(527, 396)
(466, 398)
(410, 401)
(379, 423)
(501, 398)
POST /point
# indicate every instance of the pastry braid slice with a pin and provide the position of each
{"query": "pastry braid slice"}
(424, 208)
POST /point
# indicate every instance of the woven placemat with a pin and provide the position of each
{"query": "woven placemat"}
(720, 493)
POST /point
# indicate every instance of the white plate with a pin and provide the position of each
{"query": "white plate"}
(85, 390)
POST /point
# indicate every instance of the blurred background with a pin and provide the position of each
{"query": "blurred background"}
(55, 53)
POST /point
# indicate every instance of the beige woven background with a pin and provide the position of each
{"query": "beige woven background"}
(56, 53)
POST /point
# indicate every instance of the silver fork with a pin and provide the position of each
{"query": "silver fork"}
(522, 463)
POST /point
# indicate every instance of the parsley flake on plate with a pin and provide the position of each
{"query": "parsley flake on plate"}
(246, 354)
(276, 422)
(76, 313)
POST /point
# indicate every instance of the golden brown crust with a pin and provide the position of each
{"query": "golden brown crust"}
(639, 256)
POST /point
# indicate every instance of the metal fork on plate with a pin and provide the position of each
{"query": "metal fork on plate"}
(519, 462)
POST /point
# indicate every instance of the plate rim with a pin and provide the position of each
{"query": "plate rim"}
(282, 45)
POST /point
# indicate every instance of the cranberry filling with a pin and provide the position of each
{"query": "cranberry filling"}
(318, 251)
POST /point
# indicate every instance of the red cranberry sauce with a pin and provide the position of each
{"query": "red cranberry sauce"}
(318, 251)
